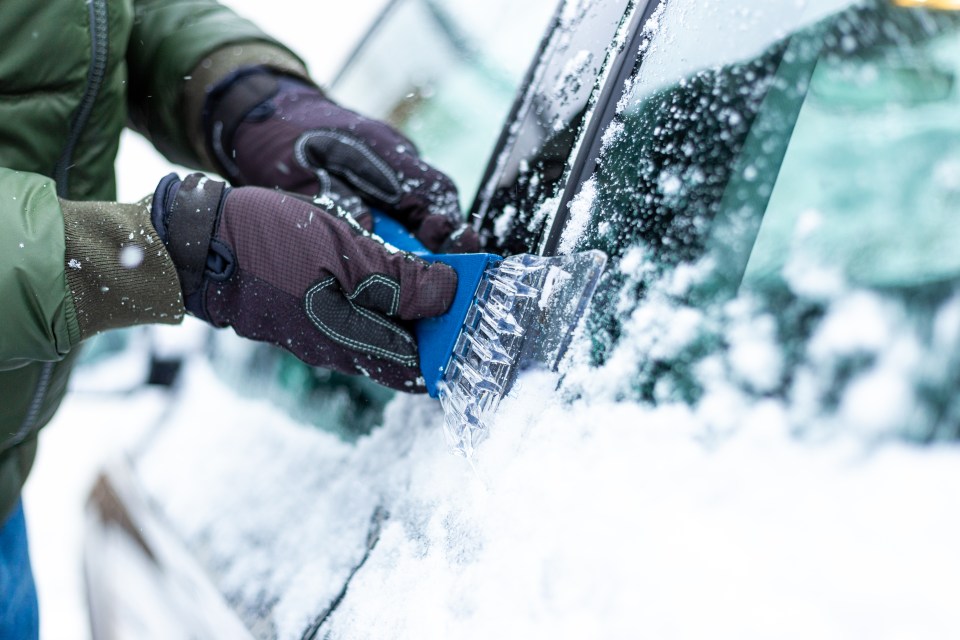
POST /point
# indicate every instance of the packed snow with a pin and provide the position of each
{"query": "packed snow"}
(589, 518)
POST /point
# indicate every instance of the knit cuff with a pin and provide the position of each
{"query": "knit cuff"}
(118, 271)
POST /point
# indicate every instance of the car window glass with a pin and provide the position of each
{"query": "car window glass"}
(693, 165)
(813, 178)
(520, 193)
(445, 72)
(716, 34)
(872, 159)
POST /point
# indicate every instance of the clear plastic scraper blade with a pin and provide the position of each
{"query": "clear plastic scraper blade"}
(523, 317)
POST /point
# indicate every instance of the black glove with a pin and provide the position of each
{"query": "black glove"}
(278, 269)
(279, 132)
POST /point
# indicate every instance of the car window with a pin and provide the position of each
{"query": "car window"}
(807, 175)
(519, 196)
(454, 69)
(871, 169)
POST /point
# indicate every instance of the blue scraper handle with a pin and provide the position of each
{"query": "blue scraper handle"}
(436, 337)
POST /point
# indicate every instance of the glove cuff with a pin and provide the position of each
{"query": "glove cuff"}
(227, 105)
(185, 215)
(211, 71)
(244, 95)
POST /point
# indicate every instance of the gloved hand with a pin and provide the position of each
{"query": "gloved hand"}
(278, 269)
(275, 131)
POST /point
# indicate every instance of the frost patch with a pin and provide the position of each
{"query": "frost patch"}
(570, 80)
(504, 222)
(581, 209)
(545, 209)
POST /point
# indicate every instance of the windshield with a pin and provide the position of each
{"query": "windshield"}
(820, 169)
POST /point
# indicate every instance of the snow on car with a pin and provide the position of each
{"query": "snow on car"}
(754, 433)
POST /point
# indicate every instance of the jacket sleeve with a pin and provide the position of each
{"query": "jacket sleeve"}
(170, 40)
(37, 318)
(69, 270)
(118, 272)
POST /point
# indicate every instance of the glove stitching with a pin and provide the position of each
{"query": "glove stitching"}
(378, 278)
(349, 342)
(326, 185)
(381, 165)
(387, 325)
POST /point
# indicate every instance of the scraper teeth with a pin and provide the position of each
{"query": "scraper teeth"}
(478, 380)
(493, 335)
(464, 426)
(521, 265)
(508, 287)
(482, 364)
(489, 350)
(499, 319)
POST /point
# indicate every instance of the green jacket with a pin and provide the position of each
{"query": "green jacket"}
(72, 74)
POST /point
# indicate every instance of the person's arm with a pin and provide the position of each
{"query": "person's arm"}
(37, 317)
(273, 267)
(118, 272)
(69, 270)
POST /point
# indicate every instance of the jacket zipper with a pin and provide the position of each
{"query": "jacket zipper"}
(99, 48)
(98, 71)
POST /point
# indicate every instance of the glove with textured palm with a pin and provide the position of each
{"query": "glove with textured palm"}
(279, 269)
(275, 131)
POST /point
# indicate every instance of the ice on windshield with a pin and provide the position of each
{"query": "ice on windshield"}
(687, 36)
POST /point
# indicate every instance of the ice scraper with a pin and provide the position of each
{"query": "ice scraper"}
(509, 314)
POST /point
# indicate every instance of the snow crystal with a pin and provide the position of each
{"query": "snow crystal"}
(570, 79)
(755, 354)
(611, 135)
(878, 401)
(670, 183)
(131, 256)
(856, 323)
(543, 211)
